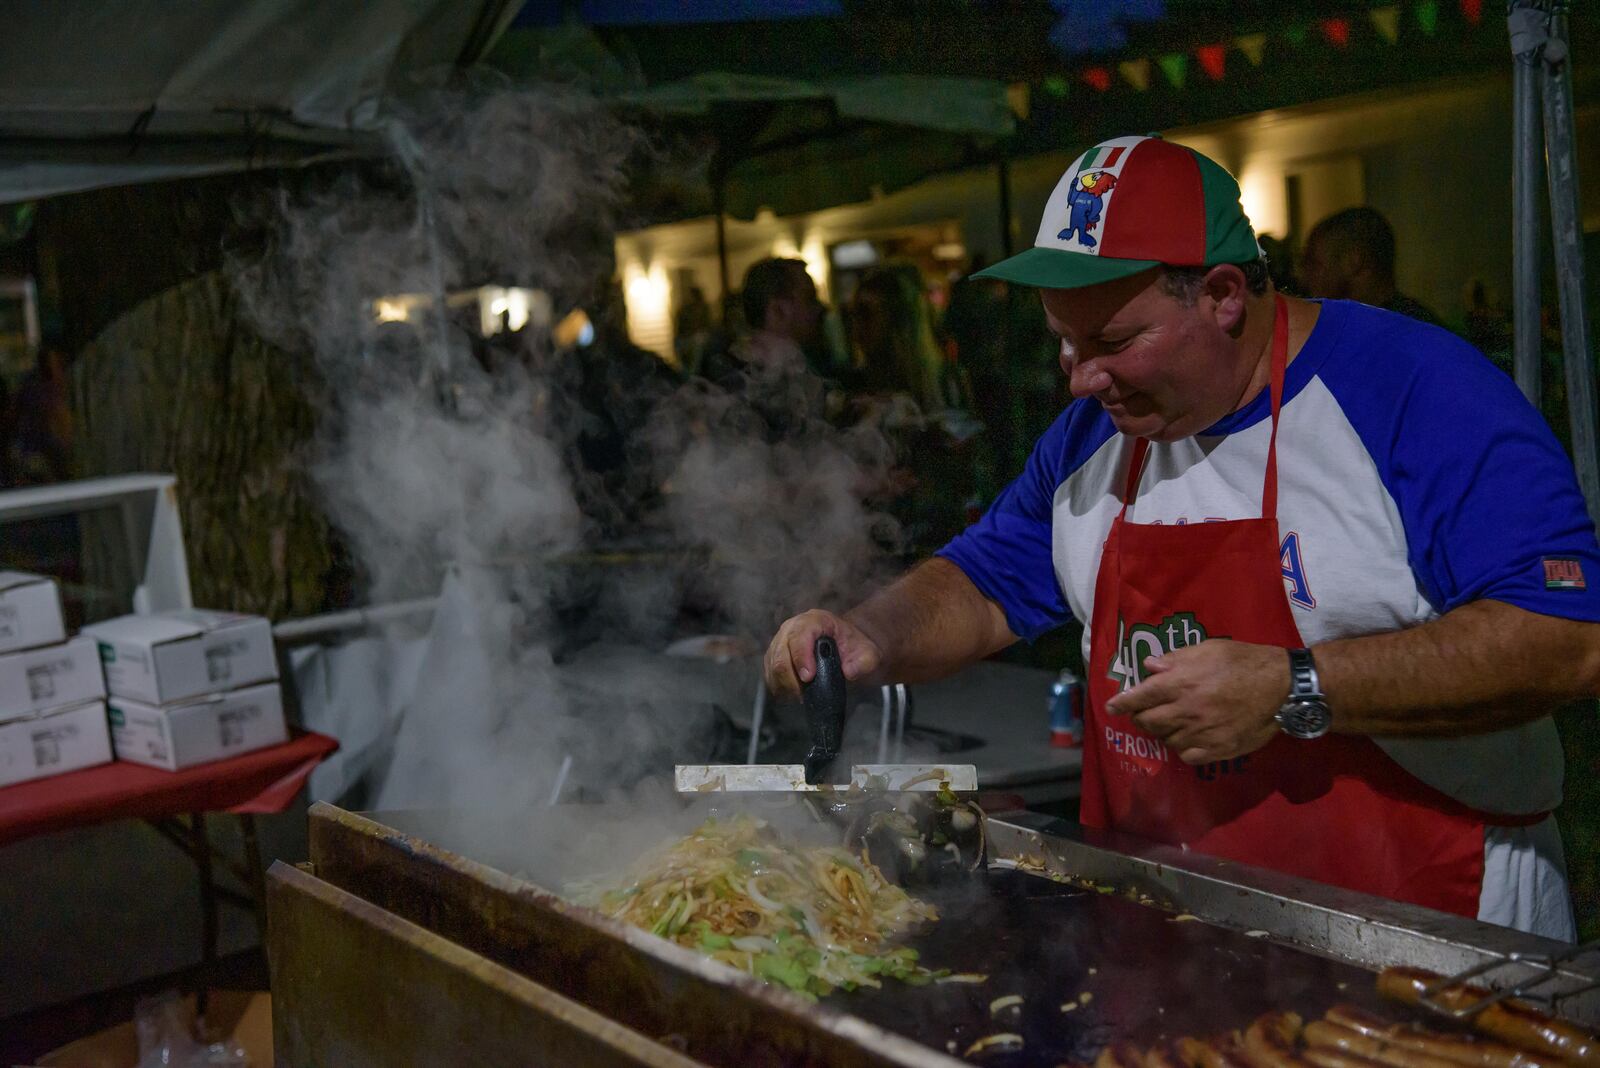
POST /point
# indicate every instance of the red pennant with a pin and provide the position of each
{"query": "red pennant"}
(1098, 78)
(1213, 60)
(1473, 10)
(1337, 31)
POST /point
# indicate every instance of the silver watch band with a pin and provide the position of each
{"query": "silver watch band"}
(1303, 680)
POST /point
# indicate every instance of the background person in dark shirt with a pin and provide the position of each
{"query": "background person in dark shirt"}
(1350, 256)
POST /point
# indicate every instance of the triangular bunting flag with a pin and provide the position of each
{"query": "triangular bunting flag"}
(1387, 21)
(1137, 73)
(1176, 67)
(1055, 85)
(1295, 35)
(1097, 78)
(1213, 59)
(1253, 45)
(1337, 31)
(1428, 16)
(1473, 10)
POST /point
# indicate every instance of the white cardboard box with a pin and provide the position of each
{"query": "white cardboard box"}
(34, 681)
(30, 611)
(198, 731)
(171, 656)
(63, 739)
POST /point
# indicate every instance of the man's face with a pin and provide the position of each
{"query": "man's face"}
(799, 313)
(1159, 369)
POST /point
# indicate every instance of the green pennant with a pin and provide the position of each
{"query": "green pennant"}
(1056, 85)
(1176, 67)
(1428, 16)
(1295, 35)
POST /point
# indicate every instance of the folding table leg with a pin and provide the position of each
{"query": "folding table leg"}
(257, 876)
(201, 843)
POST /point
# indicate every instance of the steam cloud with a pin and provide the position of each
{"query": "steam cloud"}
(451, 464)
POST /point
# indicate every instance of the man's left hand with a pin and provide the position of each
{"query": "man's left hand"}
(1211, 701)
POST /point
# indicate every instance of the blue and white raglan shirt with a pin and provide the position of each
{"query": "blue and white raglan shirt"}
(1413, 478)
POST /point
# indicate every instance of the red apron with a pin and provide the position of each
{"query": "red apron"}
(1337, 809)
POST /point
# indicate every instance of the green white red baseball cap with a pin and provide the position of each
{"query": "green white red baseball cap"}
(1129, 204)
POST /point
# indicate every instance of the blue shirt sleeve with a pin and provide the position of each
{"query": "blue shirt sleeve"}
(1007, 553)
(1489, 500)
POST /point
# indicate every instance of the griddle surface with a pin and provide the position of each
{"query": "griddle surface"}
(1147, 975)
(1154, 977)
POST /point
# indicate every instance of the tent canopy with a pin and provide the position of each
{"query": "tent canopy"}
(794, 146)
(95, 94)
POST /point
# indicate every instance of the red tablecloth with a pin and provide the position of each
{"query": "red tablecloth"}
(266, 780)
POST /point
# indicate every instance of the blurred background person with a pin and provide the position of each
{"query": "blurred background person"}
(691, 330)
(1350, 256)
(903, 379)
(1487, 324)
(1280, 263)
(782, 315)
(896, 350)
(767, 363)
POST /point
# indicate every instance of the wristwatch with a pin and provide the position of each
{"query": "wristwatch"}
(1305, 714)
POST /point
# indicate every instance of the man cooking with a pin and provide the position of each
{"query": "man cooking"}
(1334, 569)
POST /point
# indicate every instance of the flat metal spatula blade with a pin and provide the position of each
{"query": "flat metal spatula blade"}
(786, 778)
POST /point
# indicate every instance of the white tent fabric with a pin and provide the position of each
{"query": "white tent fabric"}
(117, 91)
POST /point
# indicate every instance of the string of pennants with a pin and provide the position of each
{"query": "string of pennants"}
(1212, 59)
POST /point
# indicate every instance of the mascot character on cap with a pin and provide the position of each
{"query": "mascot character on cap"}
(1085, 203)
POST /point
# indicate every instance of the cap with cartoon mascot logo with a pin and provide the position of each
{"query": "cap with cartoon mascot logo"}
(1129, 204)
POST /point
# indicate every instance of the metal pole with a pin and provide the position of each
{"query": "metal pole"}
(312, 627)
(883, 726)
(1526, 23)
(719, 195)
(1005, 204)
(904, 693)
(756, 717)
(1561, 166)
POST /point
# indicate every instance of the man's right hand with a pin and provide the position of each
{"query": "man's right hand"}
(791, 658)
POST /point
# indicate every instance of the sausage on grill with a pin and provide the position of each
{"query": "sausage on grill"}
(1463, 1049)
(1332, 1058)
(1269, 1041)
(1510, 1021)
(1219, 1052)
(1119, 1055)
(1330, 1036)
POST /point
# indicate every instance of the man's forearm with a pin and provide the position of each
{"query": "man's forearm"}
(1484, 666)
(930, 622)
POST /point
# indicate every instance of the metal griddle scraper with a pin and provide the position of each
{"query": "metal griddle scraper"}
(824, 698)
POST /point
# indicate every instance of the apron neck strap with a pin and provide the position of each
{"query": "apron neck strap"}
(1279, 363)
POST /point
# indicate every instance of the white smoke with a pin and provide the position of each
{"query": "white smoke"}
(450, 464)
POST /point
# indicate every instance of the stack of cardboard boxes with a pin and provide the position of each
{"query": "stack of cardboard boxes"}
(52, 708)
(190, 687)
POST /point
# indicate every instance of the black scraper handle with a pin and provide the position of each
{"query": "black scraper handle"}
(824, 700)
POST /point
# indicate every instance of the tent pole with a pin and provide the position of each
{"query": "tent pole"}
(1004, 174)
(718, 204)
(1567, 222)
(1527, 142)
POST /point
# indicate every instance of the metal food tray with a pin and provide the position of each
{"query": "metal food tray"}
(389, 924)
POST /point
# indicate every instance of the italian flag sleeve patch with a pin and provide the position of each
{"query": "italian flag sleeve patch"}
(1563, 573)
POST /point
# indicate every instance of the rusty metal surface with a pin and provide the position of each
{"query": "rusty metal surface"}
(355, 986)
(716, 1015)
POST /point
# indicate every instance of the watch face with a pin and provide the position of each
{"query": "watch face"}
(1305, 719)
